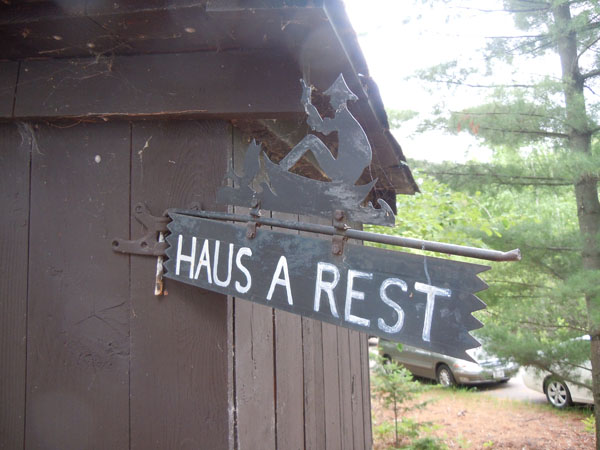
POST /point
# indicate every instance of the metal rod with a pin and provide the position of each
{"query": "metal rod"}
(419, 244)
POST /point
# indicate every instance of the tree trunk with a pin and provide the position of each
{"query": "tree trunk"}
(586, 186)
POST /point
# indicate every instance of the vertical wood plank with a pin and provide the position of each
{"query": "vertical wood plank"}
(255, 376)
(333, 417)
(331, 377)
(231, 379)
(231, 386)
(345, 387)
(78, 331)
(361, 389)
(14, 235)
(356, 385)
(314, 389)
(289, 371)
(366, 379)
(178, 341)
(254, 360)
(314, 406)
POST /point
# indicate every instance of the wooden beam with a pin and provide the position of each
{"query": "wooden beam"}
(228, 84)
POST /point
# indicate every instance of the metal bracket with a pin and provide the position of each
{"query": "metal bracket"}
(148, 244)
(251, 230)
(337, 245)
(339, 239)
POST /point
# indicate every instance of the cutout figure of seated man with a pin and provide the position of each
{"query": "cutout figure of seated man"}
(354, 150)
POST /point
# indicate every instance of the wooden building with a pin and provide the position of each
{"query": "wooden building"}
(105, 104)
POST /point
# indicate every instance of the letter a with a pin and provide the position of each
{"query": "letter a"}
(285, 281)
(204, 261)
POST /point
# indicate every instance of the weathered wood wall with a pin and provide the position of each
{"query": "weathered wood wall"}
(307, 381)
(15, 155)
(91, 359)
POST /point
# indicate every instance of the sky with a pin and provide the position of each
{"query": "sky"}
(399, 37)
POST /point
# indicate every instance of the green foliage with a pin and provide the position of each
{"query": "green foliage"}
(384, 431)
(589, 424)
(543, 130)
(427, 443)
(436, 213)
(397, 118)
(535, 304)
(395, 387)
(521, 108)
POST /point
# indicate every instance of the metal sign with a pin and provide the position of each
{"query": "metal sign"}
(289, 192)
(418, 300)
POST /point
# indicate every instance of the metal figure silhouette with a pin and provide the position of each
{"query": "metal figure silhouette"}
(354, 150)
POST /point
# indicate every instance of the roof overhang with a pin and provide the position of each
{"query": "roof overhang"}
(233, 59)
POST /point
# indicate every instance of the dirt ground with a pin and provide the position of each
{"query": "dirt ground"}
(473, 420)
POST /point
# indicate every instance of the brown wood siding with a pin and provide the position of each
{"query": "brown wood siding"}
(314, 395)
(90, 358)
(332, 387)
(254, 360)
(179, 341)
(14, 235)
(207, 84)
(299, 383)
(289, 373)
(78, 306)
(9, 71)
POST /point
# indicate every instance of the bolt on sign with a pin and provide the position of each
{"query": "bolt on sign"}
(418, 300)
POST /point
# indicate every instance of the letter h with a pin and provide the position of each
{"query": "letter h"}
(185, 258)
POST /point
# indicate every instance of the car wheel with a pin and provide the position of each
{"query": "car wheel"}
(444, 376)
(558, 393)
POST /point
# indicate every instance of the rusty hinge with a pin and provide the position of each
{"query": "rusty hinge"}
(150, 243)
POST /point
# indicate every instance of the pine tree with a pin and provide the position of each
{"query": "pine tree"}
(553, 116)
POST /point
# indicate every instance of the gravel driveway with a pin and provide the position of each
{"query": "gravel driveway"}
(514, 389)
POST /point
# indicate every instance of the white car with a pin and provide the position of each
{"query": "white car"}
(561, 393)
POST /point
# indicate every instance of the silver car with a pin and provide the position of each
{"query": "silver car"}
(447, 370)
(561, 393)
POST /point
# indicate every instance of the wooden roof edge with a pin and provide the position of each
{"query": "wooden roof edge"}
(346, 35)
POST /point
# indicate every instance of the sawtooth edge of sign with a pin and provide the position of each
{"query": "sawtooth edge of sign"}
(260, 266)
(288, 192)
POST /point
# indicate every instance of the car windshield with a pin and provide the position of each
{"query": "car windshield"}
(479, 354)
